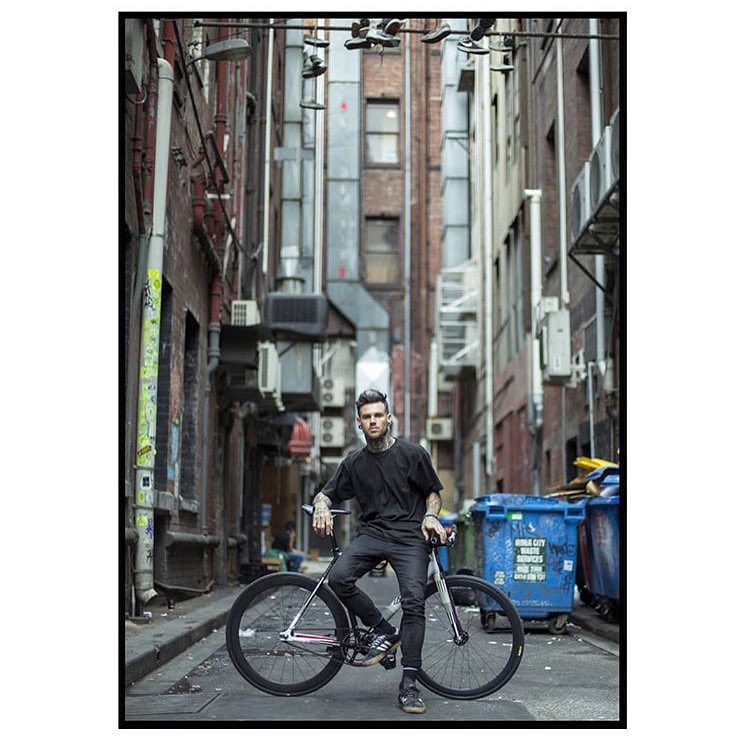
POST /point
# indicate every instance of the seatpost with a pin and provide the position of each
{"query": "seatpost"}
(335, 550)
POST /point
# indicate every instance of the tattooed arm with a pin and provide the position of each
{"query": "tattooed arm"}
(431, 522)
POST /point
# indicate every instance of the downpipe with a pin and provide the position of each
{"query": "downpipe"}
(149, 360)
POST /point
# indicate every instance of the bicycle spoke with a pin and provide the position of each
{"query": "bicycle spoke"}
(486, 660)
(270, 662)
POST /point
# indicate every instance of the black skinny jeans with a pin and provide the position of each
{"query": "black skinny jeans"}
(410, 563)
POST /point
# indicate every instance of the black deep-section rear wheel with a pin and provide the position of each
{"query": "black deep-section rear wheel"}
(491, 647)
(264, 610)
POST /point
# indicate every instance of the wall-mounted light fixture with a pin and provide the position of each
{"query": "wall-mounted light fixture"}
(226, 50)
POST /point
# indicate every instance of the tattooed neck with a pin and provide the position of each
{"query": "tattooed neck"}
(381, 444)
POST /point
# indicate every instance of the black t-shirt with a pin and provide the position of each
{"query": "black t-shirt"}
(391, 488)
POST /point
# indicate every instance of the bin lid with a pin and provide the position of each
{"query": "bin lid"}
(602, 500)
(603, 474)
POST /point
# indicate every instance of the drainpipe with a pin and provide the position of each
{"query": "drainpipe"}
(536, 392)
(489, 457)
(561, 192)
(267, 158)
(149, 360)
(432, 395)
(407, 238)
(596, 133)
(214, 331)
(563, 220)
(199, 218)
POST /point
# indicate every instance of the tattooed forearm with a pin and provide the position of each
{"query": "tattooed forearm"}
(433, 504)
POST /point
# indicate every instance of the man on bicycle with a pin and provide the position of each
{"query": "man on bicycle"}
(397, 490)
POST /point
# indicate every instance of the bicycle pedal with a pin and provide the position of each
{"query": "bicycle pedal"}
(389, 662)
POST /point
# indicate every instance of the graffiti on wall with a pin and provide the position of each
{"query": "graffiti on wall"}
(149, 370)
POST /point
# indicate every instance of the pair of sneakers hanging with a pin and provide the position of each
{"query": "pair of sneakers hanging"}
(365, 35)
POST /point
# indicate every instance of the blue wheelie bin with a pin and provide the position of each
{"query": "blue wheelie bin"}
(527, 546)
(603, 538)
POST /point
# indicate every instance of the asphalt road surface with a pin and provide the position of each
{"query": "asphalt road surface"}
(573, 677)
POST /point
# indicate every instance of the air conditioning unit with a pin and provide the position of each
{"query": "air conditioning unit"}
(581, 209)
(245, 313)
(332, 393)
(614, 123)
(439, 428)
(555, 347)
(269, 372)
(601, 178)
(302, 314)
(245, 378)
(332, 432)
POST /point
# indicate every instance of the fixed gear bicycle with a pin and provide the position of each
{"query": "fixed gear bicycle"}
(288, 634)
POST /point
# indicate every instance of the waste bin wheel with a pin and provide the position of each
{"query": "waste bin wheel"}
(557, 624)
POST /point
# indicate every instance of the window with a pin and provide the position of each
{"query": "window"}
(381, 251)
(382, 132)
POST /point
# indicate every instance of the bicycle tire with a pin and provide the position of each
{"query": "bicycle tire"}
(262, 611)
(487, 660)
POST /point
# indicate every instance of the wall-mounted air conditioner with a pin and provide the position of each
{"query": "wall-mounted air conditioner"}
(581, 205)
(244, 378)
(555, 347)
(439, 428)
(332, 393)
(601, 178)
(302, 314)
(245, 313)
(269, 372)
(332, 432)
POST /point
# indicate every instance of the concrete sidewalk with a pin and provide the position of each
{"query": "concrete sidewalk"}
(171, 631)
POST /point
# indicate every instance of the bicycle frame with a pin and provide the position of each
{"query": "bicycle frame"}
(434, 571)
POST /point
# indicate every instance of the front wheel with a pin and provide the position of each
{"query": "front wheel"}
(263, 611)
(489, 651)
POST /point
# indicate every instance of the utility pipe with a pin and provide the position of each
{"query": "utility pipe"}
(563, 222)
(561, 189)
(267, 158)
(149, 359)
(535, 256)
(407, 239)
(199, 216)
(536, 391)
(596, 134)
(489, 415)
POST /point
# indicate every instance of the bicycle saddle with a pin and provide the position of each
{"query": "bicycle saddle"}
(334, 511)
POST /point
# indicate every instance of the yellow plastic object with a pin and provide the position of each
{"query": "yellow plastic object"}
(588, 463)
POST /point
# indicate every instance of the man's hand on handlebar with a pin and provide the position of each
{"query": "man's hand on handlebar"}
(322, 521)
(431, 525)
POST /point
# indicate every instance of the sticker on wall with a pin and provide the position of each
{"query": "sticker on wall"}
(515, 515)
(567, 565)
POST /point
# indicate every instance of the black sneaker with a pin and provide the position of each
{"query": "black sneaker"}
(381, 646)
(436, 35)
(468, 45)
(358, 43)
(410, 700)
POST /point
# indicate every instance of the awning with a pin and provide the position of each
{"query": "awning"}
(300, 442)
